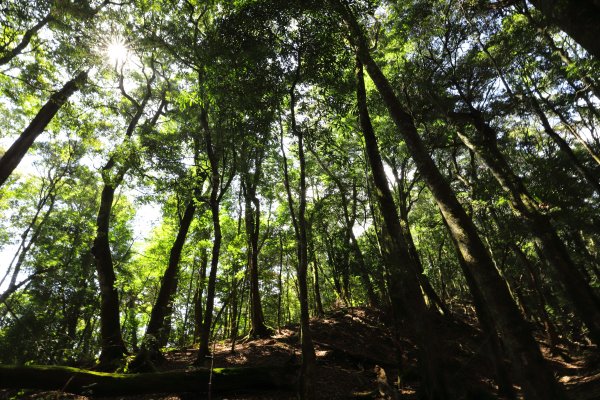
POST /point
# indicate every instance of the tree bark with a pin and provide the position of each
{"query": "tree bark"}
(27, 36)
(13, 156)
(404, 288)
(90, 383)
(533, 373)
(307, 375)
(216, 192)
(486, 321)
(318, 301)
(113, 347)
(252, 224)
(168, 287)
(579, 19)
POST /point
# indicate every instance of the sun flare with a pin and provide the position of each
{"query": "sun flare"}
(117, 51)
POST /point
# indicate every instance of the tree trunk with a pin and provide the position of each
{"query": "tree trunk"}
(405, 291)
(350, 237)
(534, 280)
(318, 301)
(486, 321)
(113, 347)
(534, 374)
(91, 383)
(13, 156)
(26, 39)
(562, 144)
(579, 19)
(203, 350)
(215, 181)
(307, 375)
(198, 294)
(252, 223)
(168, 287)
(280, 284)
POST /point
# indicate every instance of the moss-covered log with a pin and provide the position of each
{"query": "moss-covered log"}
(91, 383)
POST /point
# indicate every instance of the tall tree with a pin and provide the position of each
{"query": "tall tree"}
(113, 173)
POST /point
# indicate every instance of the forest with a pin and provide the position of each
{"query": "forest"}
(265, 199)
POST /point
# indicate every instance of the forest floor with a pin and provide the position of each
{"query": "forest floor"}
(350, 343)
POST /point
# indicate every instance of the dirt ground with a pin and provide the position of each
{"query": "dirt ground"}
(352, 344)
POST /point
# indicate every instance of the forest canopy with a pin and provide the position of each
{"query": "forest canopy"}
(175, 173)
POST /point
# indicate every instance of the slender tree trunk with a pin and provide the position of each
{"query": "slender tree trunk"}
(234, 312)
(198, 295)
(317, 286)
(24, 247)
(308, 351)
(564, 147)
(280, 284)
(204, 350)
(534, 374)
(252, 222)
(307, 377)
(403, 207)
(423, 279)
(26, 39)
(13, 156)
(186, 316)
(591, 151)
(216, 192)
(534, 279)
(168, 287)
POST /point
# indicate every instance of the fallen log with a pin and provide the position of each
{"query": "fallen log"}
(91, 383)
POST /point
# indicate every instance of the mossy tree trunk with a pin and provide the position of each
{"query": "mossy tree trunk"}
(91, 383)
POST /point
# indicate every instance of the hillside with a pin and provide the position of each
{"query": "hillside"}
(353, 348)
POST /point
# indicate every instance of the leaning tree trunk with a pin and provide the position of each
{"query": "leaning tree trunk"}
(405, 291)
(13, 156)
(412, 248)
(533, 372)
(586, 303)
(168, 287)
(486, 322)
(579, 19)
(26, 39)
(564, 147)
